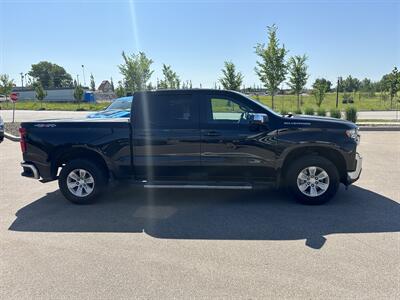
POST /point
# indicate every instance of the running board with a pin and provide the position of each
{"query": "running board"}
(196, 186)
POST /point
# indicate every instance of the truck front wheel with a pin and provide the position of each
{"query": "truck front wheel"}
(312, 179)
(81, 181)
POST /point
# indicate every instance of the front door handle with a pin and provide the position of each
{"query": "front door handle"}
(212, 133)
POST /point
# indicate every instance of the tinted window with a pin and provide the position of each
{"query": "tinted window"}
(168, 111)
(224, 110)
(120, 104)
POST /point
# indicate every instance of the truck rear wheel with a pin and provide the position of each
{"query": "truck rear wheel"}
(312, 179)
(81, 181)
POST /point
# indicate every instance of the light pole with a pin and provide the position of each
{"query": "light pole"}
(337, 91)
(22, 80)
(83, 72)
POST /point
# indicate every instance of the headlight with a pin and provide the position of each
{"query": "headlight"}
(353, 134)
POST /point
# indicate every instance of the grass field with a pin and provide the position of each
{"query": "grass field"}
(287, 103)
(35, 105)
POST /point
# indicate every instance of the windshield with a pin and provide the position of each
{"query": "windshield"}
(120, 104)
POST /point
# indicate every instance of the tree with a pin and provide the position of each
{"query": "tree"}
(50, 75)
(120, 90)
(298, 75)
(391, 83)
(40, 93)
(78, 94)
(367, 86)
(231, 79)
(171, 79)
(327, 83)
(320, 87)
(6, 85)
(272, 68)
(350, 84)
(136, 71)
(92, 83)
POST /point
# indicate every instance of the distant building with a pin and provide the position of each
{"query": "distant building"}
(53, 95)
(105, 86)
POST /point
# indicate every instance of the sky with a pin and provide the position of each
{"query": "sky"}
(361, 38)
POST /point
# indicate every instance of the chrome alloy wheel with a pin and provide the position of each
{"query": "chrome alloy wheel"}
(80, 183)
(313, 181)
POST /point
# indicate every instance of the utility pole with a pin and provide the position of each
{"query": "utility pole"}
(77, 79)
(83, 72)
(337, 91)
(22, 80)
(26, 79)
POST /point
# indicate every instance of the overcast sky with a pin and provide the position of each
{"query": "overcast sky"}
(361, 38)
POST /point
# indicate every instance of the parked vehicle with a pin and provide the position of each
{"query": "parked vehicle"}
(120, 108)
(194, 139)
(1, 129)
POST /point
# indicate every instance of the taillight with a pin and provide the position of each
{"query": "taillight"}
(22, 140)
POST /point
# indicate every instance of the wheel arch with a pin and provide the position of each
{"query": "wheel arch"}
(63, 156)
(332, 155)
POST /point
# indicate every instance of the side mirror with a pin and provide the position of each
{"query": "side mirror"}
(259, 119)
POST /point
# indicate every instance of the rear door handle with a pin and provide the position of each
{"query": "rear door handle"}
(212, 133)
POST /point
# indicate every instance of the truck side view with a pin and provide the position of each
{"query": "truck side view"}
(194, 139)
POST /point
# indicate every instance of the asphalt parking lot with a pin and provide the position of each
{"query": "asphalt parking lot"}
(203, 244)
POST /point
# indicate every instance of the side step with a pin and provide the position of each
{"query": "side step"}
(198, 186)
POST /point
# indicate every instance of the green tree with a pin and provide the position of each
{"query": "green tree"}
(231, 79)
(325, 82)
(78, 94)
(171, 79)
(92, 83)
(136, 71)
(320, 87)
(367, 86)
(6, 85)
(350, 84)
(40, 93)
(120, 90)
(391, 84)
(271, 68)
(298, 75)
(50, 75)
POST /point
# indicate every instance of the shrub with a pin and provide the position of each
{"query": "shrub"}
(321, 112)
(347, 98)
(335, 113)
(351, 114)
(298, 111)
(309, 111)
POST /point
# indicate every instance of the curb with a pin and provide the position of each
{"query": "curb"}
(11, 137)
(379, 128)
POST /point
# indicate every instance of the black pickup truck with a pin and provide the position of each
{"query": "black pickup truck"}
(202, 139)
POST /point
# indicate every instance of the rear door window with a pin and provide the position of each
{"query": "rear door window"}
(175, 111)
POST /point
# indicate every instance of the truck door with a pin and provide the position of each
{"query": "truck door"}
(166, 136)
(231, 148)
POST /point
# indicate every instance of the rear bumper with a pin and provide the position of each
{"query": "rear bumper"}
(355, 175)
(30, 170)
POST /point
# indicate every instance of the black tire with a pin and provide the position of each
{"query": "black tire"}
(98, 174)
(304, 162)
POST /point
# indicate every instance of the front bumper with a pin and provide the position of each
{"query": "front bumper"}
(354, 175)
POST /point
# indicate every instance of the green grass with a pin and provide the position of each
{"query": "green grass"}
(361, 102)
(71, 106)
